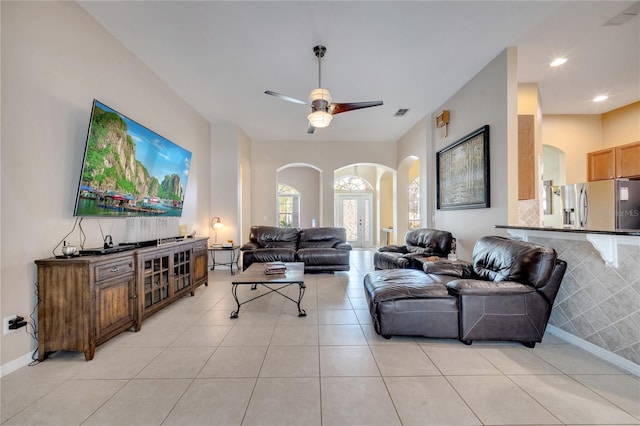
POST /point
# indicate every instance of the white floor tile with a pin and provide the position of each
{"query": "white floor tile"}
(571, 402)
(498, 401)
(357, 401)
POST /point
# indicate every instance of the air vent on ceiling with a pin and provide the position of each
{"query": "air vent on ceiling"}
(401, 112)
(627, 14)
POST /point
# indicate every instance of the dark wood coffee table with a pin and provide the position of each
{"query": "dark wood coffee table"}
(255, 275)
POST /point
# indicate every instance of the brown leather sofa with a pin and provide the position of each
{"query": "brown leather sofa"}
(419, 244)
(322, 249)
(505, 293)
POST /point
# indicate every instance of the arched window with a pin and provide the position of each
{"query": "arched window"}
(288, 206)
(414, 203)
(351, 183)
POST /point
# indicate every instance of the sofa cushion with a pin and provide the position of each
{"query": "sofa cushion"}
(503, 259)
(274, 237)
(322, 256)
(428, 241)
(269, 255)
(326, 237)
(393, 284)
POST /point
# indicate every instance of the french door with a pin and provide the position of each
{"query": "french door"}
(353, 212)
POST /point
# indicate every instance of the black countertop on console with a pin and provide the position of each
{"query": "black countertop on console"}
(569, 230)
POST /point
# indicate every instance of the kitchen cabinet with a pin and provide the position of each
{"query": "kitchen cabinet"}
(601, 164)
(83, 301)
(622, 161)
(628, 160)
(526, 158)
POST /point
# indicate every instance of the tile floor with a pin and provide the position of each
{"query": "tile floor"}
(192, 365)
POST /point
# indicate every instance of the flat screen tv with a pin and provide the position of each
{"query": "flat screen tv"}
(129, 170)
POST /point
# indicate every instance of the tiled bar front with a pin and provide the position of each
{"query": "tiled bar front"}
(597, 302)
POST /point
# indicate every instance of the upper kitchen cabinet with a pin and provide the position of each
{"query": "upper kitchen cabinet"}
(601, 164)
(622, 161)
(628, 160)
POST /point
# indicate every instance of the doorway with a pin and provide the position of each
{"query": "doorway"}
(354, 212)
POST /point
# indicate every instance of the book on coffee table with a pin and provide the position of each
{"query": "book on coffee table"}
(273, 268)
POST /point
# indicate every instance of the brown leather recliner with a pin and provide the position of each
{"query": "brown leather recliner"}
(505, 293)
(419, 243)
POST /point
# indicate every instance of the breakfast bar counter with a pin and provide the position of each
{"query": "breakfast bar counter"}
(599, 299)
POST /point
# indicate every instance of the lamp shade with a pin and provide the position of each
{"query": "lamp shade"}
(216, 223)
(320, 119)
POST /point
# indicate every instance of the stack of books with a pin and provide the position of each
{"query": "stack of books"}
(274, 268)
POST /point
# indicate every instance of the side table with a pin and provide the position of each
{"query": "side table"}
(234, 256)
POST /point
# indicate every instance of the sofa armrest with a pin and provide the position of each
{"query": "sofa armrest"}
(394, 249)
(467, 287)
(249, 246)
(342, 246)
(454, 268)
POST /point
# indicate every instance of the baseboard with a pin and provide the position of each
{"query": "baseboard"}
(16, 364)
(604, 354)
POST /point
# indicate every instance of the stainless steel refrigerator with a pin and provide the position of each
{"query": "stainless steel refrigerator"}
(605, 205)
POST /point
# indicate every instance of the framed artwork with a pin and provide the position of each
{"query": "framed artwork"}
(462, 172)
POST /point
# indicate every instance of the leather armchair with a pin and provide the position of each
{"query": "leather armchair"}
(506, 292)
(419, 243)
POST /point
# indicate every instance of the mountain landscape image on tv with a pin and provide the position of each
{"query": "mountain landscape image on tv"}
(129, 170)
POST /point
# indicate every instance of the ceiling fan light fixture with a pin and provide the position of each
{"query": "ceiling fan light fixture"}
(320, 94)
(320, 119)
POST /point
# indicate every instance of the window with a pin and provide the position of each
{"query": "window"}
(414, 203)
(288, 206)
(351, 183)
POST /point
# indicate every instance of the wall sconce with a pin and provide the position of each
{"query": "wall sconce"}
(442, 121)
(216, 225)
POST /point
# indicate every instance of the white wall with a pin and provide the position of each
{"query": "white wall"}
(55, 60)
(488, 98)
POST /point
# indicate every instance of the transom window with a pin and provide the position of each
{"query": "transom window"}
(351, 183)
(288, 206)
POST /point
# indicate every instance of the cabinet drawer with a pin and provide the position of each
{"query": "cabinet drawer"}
(200, 245)
(120, 267)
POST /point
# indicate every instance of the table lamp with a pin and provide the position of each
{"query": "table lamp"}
(215, 224)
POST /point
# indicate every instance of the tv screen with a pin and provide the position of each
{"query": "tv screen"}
(129, 170)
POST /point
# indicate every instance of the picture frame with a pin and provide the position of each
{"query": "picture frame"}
(462, 173)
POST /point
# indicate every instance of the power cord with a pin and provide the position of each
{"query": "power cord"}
(34, 326)
(76, 223)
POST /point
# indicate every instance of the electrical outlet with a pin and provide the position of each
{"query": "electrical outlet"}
(5, 324)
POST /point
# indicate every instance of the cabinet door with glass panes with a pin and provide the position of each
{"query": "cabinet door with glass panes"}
(155, 277)
(181, 271)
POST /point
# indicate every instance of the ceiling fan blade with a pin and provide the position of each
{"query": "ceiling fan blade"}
(337, 108)
(286, 98)
(310, 129)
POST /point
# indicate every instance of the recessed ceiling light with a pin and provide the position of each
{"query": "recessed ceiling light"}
(557, 62)
(600, 98)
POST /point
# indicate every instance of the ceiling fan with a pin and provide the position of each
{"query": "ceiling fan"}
(322, 109)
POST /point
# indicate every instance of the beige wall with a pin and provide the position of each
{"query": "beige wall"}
(55, 60)
(412, 150)
(269, 156)
(621, 126)
(575, 135)
(488, 98)
(307, 181)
